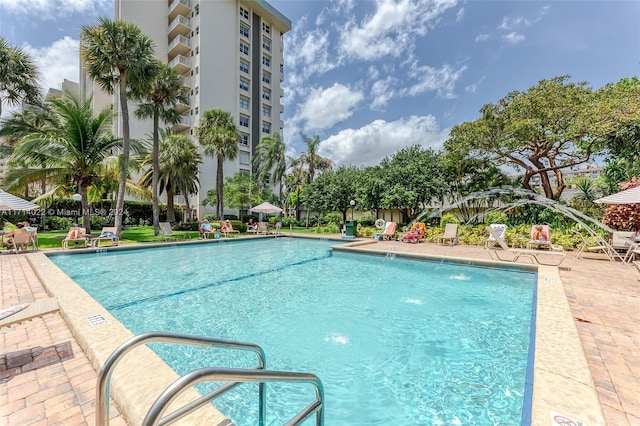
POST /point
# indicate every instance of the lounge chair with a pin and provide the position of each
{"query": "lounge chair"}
(500, 229)
(20, 240)
(416, 233)
(262, 228)
(450, 234)
(632, 252)
(620, 240)
(540, 238)
(76, 235)
(389, 231)
(227, 228)
(167, 232)
(108, 234)
(206, 230)
(515, 254)
(597, 244)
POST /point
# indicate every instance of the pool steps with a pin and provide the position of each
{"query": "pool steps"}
(233, 376)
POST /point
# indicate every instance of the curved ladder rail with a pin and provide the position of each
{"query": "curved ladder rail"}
(104, 375)
(154, 415)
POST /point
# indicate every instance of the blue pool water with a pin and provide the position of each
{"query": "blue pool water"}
(395, 341)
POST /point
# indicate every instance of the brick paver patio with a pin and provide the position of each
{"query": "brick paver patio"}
(46, 379)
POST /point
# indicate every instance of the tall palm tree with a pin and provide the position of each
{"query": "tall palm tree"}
(312, 159)
(18, 76)
(167, 90)
(119, 57)
(219, 136)
(67, 150)
(270, 158)
(178, 163)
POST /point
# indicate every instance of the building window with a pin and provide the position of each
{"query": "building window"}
(267, 178)
(266, 44)
(244, 13)
(244, 102)
(197, 110)
(244, 67)
(197, 90)
(244, 139)
(197, 49)
(198, 30)
(266, 77)
(243, 156)
(266, 61)
(266, 110)
(197, 9)
(244, 30)
(266, 28)
(266, 94)
(244, 121)
(244, 48)
(197, 70)
(281, 68)
(266, 127)
(244, 173)
(244, 84)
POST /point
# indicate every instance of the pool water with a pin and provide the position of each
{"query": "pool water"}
(394, 341)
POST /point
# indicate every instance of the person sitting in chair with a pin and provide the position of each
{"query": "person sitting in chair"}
(206, 228)
(251, 226)
(10, 235)
(539, 234)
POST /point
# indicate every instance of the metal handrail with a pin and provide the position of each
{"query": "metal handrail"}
(154, 415)
(104, 375)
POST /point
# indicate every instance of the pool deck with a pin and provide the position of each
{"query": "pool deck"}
(47, 379)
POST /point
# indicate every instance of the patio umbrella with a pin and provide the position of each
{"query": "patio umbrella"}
(267, 208)
(11, 202)
(628, 196)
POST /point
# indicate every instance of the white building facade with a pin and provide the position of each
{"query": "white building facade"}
(230, 53)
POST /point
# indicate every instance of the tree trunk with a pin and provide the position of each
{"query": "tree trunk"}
(124, 164)
(154, 176)
(219, 186)
(171, 211)
(86, 223)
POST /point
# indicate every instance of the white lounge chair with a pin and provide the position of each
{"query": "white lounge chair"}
(513, 254)
(76, 235)
(167, 232)
(450, 234)
(108, 234)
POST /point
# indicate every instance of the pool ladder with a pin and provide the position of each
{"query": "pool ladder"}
(233, 376)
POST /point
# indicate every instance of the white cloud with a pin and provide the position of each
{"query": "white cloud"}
(56, 62)
(325, 107)
(513, 38)
(392, 28)
(460, 15)
(381, 92)
(432, 79)
(368, 145)
(51, 9)
(482, 37)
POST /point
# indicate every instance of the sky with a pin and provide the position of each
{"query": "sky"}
(370, 77)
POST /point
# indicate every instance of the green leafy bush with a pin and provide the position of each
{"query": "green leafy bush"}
(497, 217)
(57, 222)
(328, 218)
(288, 221)
(367, 220)
(448, 218)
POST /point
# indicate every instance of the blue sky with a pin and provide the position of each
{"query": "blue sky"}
(371, 77)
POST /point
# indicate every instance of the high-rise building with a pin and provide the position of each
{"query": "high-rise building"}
(231, 55)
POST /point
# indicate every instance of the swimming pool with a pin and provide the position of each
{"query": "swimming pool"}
(393, 340)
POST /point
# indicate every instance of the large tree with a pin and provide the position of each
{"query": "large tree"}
(67, 149)
(18, 76)
(178, 164)
(550, 127)
(270, 158)
(218, 136)
(333, 191)
(167, 91)
(120, 58)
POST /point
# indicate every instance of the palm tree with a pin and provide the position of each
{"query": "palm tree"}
(167, 90)
(119, 57)
(270, 157)
(219, 136)
(178, 163)
(18, 76)
(312, 159)
(67, 150)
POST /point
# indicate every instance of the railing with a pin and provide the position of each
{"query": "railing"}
(179, 39)
(175, 4)
(233, 376)
(180, 59)
(179, 20)
(104, 375)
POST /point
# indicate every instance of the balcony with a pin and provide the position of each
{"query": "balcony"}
(182, 125)
(180, 64)
(180, 45)
(180, 25)
(186, 81)
(179, 7)
(181, 108)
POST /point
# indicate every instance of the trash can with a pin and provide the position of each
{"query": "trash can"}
(351, 228)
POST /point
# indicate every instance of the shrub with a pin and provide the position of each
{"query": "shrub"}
(367, 220)
(331, 218)
(288, 221)
(57, 222)
(497, 217)
(448, 218)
